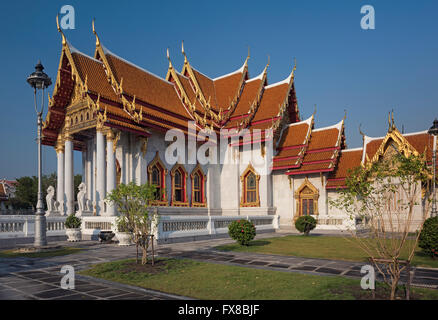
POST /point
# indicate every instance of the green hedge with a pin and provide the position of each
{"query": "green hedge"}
(428, 240)
(305, 224)
(243, 231)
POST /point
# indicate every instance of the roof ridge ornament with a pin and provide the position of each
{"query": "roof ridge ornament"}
(184, 52)
(360, 131)
(64, 40)
(95, 33)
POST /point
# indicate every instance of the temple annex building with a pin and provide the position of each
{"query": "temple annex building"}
(117, 114)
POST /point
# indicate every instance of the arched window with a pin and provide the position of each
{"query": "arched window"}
(157, 176)
(306, 197)
(198, 187)
(179, 186)
(250, 188)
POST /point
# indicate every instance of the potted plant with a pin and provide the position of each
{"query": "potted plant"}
(123, 234)
(73, 228)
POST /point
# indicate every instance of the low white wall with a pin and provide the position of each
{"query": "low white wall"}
(23, 226)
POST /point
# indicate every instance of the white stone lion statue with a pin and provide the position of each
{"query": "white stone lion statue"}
(83, 203)
(52, 204)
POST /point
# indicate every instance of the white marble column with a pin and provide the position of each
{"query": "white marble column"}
(69, 177)
(60, 177)
(100, 174)
(89, 170)
(110, 169)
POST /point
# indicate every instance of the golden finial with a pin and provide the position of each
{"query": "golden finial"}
(95, 33)
(64, 41)
(184, 52)
(345, 115)
(360, 131)
(389, 121)
(392, 119)
(269, 58)
(314, 110)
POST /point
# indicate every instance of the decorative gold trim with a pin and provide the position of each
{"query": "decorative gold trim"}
(243, 202)
(59, 146)
(402, 143)
(128, 106)
(299, 196)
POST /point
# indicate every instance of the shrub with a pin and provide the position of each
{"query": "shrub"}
(243, 231)
(305, 224)
(122, 224)
(72, 222)
(429, 237)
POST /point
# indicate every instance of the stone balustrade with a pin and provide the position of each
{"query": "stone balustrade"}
(23, 226)
(199, 227)
(169, 227)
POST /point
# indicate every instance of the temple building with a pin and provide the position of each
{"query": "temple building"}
(118, 114)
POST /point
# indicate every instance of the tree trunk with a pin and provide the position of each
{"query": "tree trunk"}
(144, 258)
(394, 287)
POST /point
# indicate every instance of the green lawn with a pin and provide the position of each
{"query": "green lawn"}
(324, 247)
(61, 252)
(215, 281)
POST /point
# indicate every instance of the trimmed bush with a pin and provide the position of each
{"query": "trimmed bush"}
(72, 222)
(305, 224)
(243, 231)
(428, 240)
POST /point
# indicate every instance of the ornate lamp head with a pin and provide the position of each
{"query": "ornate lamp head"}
(434, 129)
(38, 79)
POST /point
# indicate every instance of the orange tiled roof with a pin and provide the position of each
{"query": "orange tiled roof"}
(348, 160)
(322, 152)
(92, 70)
(146, 86)
(207, 87)
(292, 144)
(226, 88)
(273, 97)
(158, 98)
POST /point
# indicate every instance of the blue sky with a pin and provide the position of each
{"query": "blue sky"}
(339, 65)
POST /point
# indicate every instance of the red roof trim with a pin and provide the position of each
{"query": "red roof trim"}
(286, 158)
(292, 147)
(309, 171)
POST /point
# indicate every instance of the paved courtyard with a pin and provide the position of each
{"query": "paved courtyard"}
(39, 278)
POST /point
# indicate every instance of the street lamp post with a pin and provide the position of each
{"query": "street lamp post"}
(38, 80)
(434, 131)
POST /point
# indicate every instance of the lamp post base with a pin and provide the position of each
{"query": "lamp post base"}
(40, 231)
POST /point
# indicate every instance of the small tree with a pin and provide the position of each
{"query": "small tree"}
(305, 224)
(132, 202)
(429, 237)
(243, 231)
(384, 197)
